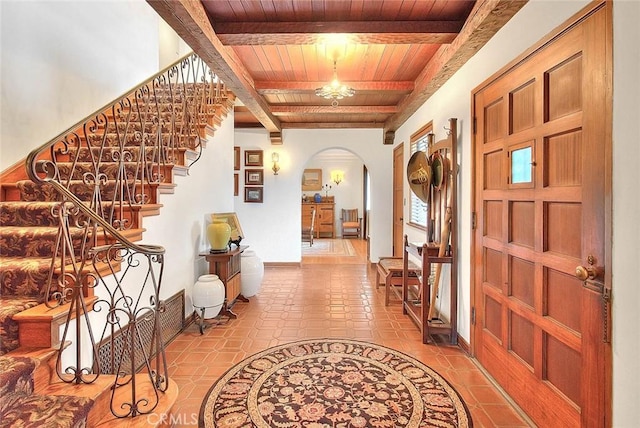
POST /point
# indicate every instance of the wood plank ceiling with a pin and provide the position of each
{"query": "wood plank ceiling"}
(273, 54)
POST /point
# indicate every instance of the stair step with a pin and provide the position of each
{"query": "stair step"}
(9, 307)
(39, 326)
(131, 140)
(26, 214)
(45, 359)
(106, 154)
(17, 374)
(20, 241)
(24, 276)
(30, 191)
(22, 213)
(161, 172)
(159, 417)
(31, 410)
(99, 392)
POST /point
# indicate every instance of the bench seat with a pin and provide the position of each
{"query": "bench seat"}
(390, 270)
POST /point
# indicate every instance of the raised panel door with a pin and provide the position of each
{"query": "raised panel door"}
(541, 331)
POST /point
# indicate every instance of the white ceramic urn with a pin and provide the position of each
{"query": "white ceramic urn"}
(208, 293)
(252, 271)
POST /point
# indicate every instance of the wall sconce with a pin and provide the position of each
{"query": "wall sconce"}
(275, 157)
(337, 176)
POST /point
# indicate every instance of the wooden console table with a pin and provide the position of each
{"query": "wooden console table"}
(227, 267)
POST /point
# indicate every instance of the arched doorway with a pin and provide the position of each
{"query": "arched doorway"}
(340, 178)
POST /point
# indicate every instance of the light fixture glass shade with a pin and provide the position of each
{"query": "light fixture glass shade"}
(337, 176)
(335, 90)
(275, 157)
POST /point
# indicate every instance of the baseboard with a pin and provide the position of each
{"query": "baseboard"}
(282, 264)
(464, 345)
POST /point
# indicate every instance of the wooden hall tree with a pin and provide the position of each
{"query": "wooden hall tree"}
(541, 246)
(440, 246)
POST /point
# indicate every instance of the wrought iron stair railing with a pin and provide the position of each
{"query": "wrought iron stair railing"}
(99, 173)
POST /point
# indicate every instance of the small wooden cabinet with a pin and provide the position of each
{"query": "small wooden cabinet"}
(325, 218)
(227, 267)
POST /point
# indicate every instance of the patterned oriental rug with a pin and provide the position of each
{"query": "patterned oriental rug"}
(328, 247)
(332, 383)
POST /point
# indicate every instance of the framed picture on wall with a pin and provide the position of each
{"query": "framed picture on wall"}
(312, 179)
(253, 194)
(236, 158)
(253, 158)
(232, 220)
(253, 177)
(235, 184)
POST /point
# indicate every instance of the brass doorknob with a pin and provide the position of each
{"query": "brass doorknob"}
(586, 272)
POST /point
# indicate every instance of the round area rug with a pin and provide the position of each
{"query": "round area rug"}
(332, 383)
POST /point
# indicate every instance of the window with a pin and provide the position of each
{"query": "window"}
(418, 209)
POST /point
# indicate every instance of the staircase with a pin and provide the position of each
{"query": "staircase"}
(69, 220)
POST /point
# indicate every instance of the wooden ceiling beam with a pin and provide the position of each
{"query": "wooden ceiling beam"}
(190, 21)
(280, 110)
(486, 18)
(251, 39)
(286, 87)
(360, 32)
(332, 125)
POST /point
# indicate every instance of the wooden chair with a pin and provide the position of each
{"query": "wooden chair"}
(351, 223)
(307, 232)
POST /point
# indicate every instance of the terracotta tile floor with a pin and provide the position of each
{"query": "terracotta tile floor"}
(325, 297)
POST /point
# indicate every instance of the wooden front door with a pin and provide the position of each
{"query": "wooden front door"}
(398, 200)
(542, 186)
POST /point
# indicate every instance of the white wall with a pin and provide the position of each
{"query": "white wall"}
(172, 47)
(626, 214)
(273, 227)
(534, 21)
(60, 61)
(180, 226)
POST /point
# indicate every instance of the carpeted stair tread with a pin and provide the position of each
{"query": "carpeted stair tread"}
(30, 213)
(21, 241)
(24, 276)
(131, 141)
(9, 306)
(24, 213)
(31, 191)
(36, 411)
(16, 375)
(112, 170)
(110, 153)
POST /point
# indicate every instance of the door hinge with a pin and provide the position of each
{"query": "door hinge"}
(475, 125)
(606, 309)
(473, 220)
(473, 315)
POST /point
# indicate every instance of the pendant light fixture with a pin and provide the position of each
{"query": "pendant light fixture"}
(335, 90)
